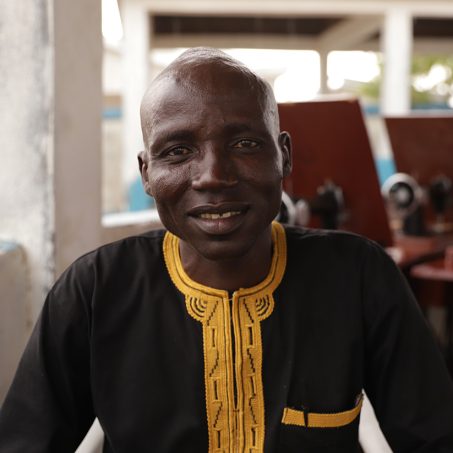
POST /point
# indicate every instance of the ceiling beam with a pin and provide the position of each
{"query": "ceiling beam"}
(295, 8)
(427, 46)
(420, 46)
(349, 33)
(439, 46)
(244, 41)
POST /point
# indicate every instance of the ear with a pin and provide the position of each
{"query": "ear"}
(284, 141)
(143, 161)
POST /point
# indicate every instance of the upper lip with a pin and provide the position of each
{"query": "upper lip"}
(218, 208)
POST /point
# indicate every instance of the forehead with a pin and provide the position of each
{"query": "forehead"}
(173, 103)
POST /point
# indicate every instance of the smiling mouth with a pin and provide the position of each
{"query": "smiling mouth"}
(216, 211)
(219, 218)
(216, 216)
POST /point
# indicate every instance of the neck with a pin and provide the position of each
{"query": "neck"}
(230, 274)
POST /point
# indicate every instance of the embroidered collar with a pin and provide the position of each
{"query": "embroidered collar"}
(192, 288)
(233, 380)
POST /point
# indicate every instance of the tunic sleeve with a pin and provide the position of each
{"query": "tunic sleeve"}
(405, 376)
(49, 406)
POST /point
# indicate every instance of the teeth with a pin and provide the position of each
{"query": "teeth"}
(224, 215)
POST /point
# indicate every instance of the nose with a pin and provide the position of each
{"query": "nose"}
(214, 171)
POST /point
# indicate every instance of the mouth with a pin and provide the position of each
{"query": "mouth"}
(224, 209)
(215, 216)
(219, 219)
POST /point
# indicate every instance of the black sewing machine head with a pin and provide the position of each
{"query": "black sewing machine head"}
(440, 195)
(404, 198)
(328, 205)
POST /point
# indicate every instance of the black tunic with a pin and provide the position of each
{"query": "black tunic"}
(118, 340)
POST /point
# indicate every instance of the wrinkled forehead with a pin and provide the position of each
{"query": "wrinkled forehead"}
(212, 85)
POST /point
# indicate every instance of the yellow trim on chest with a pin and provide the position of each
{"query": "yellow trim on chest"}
(233, 380)
(312, 420)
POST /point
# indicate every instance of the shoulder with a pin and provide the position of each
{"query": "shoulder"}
(331, 244)
(148, 244)
(117, 259)
(339, 256)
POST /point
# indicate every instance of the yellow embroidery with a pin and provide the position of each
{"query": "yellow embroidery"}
(234, 388)
(334, 420)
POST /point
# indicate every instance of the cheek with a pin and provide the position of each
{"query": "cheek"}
(167, 185)
(271, 184)
(268, 177)
(267, 191)
(165, 193)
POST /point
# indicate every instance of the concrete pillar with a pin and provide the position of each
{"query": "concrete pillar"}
(136, 25)
(13, 309)
(50, 87)
(77, 128)
(323, 87)
(26, 143)
(397, 38)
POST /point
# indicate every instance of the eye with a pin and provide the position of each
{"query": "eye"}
(246, 143)
(178, 151)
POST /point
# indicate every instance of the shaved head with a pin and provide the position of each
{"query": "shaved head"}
(212, 141)
(202, 72)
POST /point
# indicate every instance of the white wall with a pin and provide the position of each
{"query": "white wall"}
(50, 134)
(13, 319)
(26, 137)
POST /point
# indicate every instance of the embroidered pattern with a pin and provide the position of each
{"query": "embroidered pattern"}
(234, 389)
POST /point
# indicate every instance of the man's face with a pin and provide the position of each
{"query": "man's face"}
(214, 165)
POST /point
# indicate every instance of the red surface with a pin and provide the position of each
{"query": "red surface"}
(330, 142)
(423, 147)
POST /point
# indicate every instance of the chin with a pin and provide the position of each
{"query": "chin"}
(223, 250)
(228, 248)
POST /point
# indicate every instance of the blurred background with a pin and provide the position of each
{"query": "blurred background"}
(73, 74)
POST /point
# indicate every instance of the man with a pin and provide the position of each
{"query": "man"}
(228, 333)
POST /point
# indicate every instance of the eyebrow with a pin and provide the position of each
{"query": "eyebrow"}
(172, 136)
(236, 128)
(251, 130)
(186, 135)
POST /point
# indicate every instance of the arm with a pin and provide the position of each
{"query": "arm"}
(405, 376)
(48, 407)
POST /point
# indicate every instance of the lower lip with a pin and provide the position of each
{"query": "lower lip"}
(221, 226)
